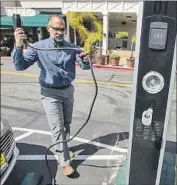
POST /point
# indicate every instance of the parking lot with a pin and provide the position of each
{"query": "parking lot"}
(100, 147)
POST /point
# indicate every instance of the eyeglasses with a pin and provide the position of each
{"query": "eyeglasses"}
(58, 29)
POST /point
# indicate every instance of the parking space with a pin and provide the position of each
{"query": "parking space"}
(93, 159)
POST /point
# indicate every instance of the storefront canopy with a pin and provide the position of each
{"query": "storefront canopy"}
(39, 20)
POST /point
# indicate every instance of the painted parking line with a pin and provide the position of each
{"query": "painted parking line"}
(23, 136)
(112, 148)
(76, 80)
(78, 157)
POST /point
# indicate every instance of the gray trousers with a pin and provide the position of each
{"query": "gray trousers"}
(58, 106)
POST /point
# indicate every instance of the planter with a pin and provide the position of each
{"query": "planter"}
(99, 59)
(130, 62)
(114, 61)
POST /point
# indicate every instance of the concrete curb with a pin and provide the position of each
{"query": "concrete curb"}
(95, 66)
(112, 67)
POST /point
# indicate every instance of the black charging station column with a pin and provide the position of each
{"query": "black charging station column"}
(155, 75)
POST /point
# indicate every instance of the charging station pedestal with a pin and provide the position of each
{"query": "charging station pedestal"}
(154, 77)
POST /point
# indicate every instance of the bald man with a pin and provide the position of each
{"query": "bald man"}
(57, 71)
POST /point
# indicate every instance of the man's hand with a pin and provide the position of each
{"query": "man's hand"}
(20, 36)
(84, 57)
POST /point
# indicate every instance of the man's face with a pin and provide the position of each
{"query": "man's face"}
(56, 28)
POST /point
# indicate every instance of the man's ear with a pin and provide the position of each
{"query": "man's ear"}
(47, 27)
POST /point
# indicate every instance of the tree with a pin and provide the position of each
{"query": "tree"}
(76, 21)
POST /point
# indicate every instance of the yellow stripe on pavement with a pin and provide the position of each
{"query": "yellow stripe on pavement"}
(19, 74)
(77, 80)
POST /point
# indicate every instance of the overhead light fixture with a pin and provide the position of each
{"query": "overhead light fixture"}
(123, 22)
(129, 17)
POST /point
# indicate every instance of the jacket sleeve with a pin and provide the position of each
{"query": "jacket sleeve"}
(83, 65)
(23, 61)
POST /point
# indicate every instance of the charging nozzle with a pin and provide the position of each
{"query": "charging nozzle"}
(16, 19)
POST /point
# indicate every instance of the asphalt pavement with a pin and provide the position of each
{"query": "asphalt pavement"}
(100, 147)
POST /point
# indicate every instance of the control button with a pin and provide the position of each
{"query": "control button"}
(153, 82)
(147, 117)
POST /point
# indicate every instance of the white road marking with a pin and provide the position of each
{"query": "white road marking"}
(23, 135)
(78, 157)
(121, 150)
(113, 148)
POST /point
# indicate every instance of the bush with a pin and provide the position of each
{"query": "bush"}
(114, 54)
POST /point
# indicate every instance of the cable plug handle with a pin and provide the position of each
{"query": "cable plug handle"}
(16, 19)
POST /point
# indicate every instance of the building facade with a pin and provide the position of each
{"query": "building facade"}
(115, 15)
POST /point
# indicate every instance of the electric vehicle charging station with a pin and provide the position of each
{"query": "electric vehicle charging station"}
(154, 77)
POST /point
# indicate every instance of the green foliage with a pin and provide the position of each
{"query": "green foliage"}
(122, 35)
(82, 32)
(92, 37)
(133, 39)
(114, 54)
(76, 20)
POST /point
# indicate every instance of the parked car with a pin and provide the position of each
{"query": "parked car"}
(8, 151)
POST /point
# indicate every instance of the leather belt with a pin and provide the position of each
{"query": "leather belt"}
(54, 87)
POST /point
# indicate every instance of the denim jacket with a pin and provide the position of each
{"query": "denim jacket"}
(57, 67)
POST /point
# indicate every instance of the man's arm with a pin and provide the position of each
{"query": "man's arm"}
(23, 61)
(85, 65)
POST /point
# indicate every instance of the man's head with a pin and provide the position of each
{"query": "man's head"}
(56, 27)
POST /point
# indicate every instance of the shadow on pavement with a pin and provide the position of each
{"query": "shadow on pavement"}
(171, 147)
(23, 167)
(89, 149)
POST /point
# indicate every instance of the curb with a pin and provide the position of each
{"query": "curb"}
(113, 67)
(97, 66)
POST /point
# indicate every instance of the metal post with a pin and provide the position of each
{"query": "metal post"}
(154, 76)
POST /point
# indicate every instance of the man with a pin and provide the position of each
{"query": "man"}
(57, 71)
(5, 50)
